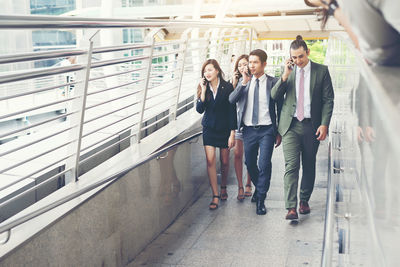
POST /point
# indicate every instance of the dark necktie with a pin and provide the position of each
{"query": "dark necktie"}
(254, 119)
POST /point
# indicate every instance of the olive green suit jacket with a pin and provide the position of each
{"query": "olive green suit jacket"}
(321, 93)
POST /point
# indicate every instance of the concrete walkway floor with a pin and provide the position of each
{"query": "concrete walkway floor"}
(233, 235)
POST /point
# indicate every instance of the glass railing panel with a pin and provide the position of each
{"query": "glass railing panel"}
(366, 152)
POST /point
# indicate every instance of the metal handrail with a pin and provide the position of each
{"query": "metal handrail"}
(37, 107)
(37, 124)
(164, 73)
(108, 125)
(112, 135)
(23, 57)
(167, 53)
(326, 260)
(112, 75)
(51, 22)
(162, 43)
(39, 90)
(35, 157)
(115, 87)
(161, 93)
(35, 141)
(126, 138)
(110, 112)
(25, 75)
(154, 123)
(114, 99)
(9, 225)
(36, 186)
(35, 172)
(155, 86)
(156, 103)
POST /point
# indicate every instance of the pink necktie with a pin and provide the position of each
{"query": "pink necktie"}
(300, 98)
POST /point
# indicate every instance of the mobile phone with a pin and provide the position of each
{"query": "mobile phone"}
(291, 63)
(248, 71)
(204, 80)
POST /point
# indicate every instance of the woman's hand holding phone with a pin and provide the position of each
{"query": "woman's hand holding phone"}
(246, 74)
(203, 84)
(235, 78)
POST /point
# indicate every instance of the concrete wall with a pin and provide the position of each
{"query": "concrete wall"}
(113, 226)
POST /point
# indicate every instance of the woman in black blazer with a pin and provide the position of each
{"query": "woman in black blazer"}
(219, 124)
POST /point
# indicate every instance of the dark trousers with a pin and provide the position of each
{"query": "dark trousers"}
(259, 139)
(299, 141)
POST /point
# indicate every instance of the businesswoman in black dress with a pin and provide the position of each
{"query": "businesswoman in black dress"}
(219, 124)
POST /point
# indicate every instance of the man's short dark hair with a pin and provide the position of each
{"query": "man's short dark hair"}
(261, 54)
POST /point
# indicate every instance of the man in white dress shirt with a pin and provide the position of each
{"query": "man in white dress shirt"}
(258, 117)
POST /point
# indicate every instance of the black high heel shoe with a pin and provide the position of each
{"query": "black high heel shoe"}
(213, 205)
(248, 193)
(240, 197)
(224, 196)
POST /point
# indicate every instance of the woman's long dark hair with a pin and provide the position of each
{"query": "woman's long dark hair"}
(322, 13)
(220, 75)
(236, 69)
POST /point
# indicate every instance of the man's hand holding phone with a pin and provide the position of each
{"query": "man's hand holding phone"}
(289, 65)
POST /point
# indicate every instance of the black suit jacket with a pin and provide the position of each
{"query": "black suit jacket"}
(219, 114)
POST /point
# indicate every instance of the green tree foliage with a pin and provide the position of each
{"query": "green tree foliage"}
(317, 50)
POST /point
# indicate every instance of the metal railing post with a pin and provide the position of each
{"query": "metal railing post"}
(185, 38)
(82, 117)
(150, 37)
(326, 260)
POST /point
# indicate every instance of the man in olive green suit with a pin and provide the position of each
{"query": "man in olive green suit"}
(304, 120)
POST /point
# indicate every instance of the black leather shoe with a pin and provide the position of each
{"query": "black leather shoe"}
(254, 197)
(260, 207)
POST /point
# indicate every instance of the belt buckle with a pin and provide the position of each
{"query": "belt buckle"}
(256, 127)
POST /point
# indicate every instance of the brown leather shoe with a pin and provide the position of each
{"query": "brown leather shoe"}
(292, 214)
(304, 207)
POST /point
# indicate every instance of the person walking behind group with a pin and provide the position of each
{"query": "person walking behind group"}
(373, 26)
(219, 124)
(257, 115)
(305, 117)
(241, 67)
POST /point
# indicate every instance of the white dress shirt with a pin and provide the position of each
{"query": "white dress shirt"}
(307, 99)
(216, 90)
(263, 106)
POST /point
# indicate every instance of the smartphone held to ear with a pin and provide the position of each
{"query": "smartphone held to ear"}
(291, 64)
(248, 71)
(204, 81)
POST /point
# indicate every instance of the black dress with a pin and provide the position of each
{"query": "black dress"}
(219, 116)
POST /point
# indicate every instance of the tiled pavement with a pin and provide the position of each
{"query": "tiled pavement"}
(233, 235)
